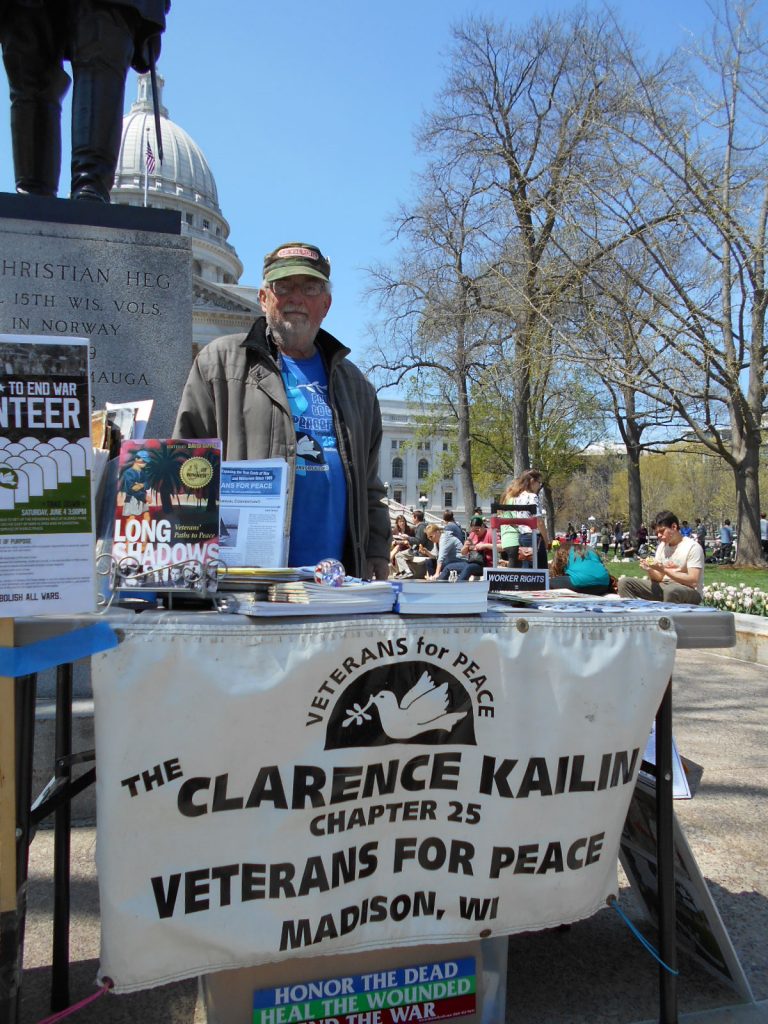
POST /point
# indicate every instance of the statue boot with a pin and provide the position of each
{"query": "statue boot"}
(36, 133)
(97, 121)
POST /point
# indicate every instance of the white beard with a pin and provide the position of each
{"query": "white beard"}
(293, 332)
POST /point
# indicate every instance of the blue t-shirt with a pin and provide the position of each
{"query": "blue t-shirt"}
(319, 513)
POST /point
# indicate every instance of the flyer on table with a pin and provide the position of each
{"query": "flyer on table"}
(46, 515)
(253, 512)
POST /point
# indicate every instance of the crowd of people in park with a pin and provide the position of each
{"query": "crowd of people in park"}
(338, 503)
(672, 551)
(450, 553)
(618, 543)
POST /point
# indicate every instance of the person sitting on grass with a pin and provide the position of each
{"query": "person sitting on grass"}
(578, 567)
(676, 571)
(402, 537)
(420, 561)
(450, 560)
(480, 540)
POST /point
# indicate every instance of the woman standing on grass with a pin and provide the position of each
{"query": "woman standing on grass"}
(526, 490)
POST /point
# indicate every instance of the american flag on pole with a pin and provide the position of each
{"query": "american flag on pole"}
(150, 159)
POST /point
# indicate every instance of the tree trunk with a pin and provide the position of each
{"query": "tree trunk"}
(521, 398)
(749, 549)
(634, 490)
(465, 448)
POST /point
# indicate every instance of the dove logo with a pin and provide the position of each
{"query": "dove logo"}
(411, 702)
(9, 478)
(308, 448)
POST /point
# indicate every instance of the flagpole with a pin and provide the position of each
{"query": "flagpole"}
(146, 171)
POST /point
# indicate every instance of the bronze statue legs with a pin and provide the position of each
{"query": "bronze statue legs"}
(98, 40)
(102, 48)
(38, 83)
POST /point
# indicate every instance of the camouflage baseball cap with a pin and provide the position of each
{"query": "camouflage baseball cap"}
(296, 258)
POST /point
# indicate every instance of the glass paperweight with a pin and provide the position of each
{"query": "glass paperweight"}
(330, 571)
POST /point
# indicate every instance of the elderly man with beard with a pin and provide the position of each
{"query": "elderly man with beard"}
(287, 390)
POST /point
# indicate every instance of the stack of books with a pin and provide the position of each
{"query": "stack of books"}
(306, 598)
(438, 597)
(254, 579)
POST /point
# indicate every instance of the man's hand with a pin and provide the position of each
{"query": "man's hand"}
(655, 570)
(377, 569)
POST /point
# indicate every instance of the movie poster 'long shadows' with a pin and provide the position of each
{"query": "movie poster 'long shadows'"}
(166, 533)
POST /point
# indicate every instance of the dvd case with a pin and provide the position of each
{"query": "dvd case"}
(166, 534)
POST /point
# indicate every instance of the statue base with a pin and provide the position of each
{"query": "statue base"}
(99, 215)
(120, 276)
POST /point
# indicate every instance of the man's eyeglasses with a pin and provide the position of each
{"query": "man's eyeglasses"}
(310, 289)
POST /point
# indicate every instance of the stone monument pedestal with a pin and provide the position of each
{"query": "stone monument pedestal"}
(120, 276)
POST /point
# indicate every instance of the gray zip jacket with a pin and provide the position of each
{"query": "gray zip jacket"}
(235, 392)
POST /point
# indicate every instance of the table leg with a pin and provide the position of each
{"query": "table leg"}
(17, 729)
(665, 859)
(9, 945)
(61, 843)
(26, 694)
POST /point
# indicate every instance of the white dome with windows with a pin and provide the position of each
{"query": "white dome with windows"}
(184, 171)
(184, 182)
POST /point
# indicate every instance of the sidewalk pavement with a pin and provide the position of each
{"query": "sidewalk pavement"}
(594, 972)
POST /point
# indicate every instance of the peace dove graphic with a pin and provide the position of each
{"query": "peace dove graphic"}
(423, 708)
(9, 478)
(307, 447)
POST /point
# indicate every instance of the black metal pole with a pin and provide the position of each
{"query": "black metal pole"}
(665, 854)
(61, 844)
(13, 930)
(10, 967)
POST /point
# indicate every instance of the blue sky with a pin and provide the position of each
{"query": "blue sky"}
(306, 114)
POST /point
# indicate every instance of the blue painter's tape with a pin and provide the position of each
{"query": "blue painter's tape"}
(57, 650)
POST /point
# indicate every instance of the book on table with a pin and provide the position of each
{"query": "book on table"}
(166, 527)
(304, 597)
(441, 597)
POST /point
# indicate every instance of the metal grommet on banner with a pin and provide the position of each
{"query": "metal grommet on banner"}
(522, 626)
(665, 623)
(486, 933)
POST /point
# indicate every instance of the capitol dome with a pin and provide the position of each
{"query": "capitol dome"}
(184, 182)
(184, 172)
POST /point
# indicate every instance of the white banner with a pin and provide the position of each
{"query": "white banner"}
(269, 790)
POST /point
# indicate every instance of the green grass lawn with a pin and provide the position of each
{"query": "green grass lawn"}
(726, 574)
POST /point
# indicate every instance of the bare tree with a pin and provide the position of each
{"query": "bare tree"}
(618, 342)
(566, 413)
(529, 109)
(433, 333)
(699, 152)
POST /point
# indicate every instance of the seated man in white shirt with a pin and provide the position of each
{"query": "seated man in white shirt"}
(676, 571)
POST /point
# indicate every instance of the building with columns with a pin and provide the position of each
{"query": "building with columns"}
(405, 464)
